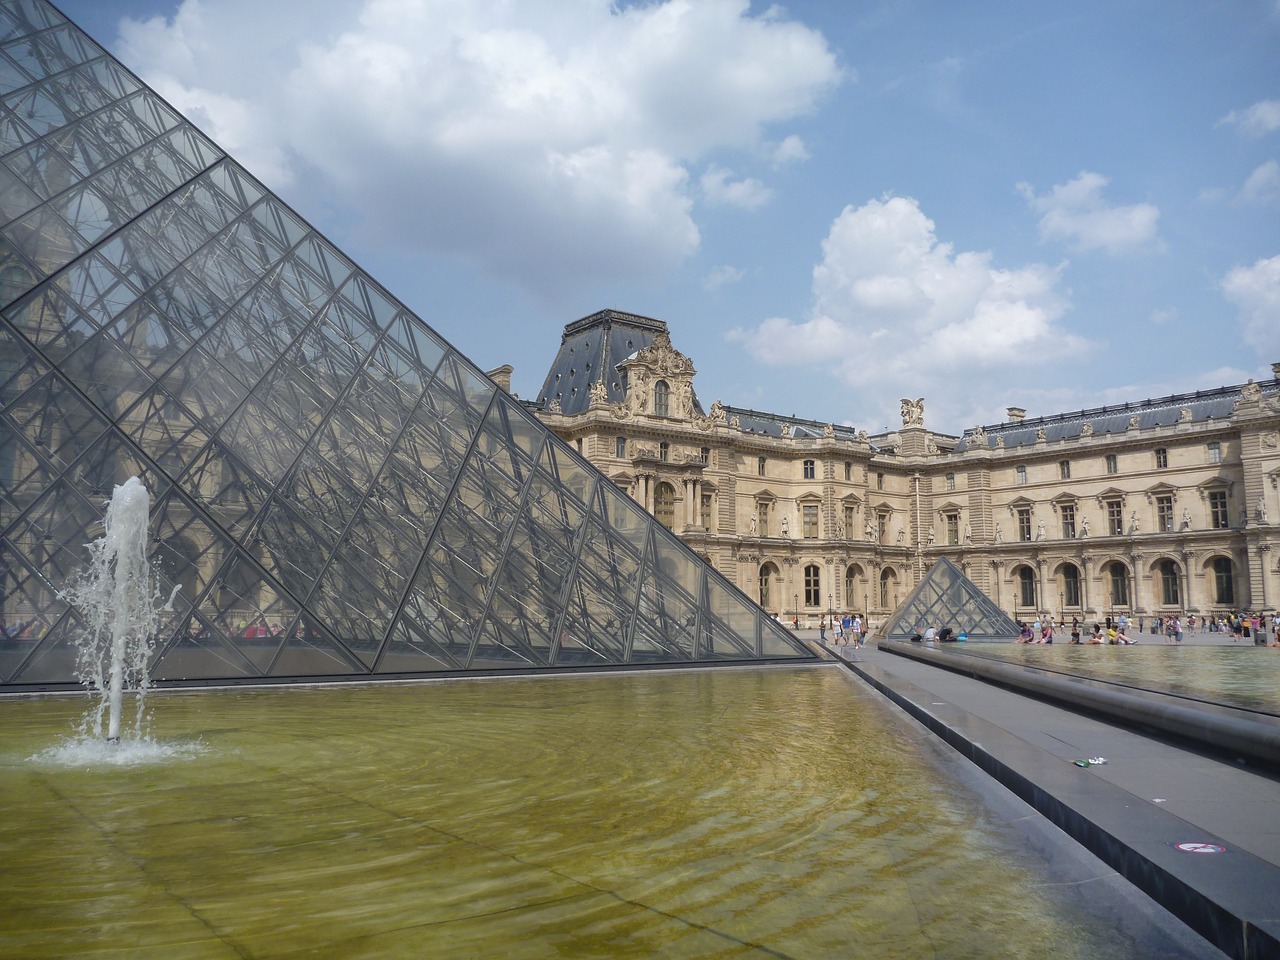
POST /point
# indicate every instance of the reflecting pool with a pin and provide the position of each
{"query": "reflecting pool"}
(729, 813)
(1237, 675)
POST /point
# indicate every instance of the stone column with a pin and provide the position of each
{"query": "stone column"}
(1191, 595)
(1135, 602)
(1085, 607)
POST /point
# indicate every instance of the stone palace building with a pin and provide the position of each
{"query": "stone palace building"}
(1154, 507)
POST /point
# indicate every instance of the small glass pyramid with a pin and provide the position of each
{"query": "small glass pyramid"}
(947, 598)
(337, 491)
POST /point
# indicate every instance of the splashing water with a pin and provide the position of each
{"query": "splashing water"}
(117, 595)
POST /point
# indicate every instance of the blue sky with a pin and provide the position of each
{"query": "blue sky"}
(833, 205)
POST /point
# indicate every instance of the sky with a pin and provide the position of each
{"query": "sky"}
(833, 205)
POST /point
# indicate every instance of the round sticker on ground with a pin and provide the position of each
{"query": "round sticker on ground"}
(1199, 848)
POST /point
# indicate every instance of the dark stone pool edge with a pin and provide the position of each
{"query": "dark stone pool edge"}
(1230, 900)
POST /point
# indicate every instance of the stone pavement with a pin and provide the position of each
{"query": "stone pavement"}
(1197, 831)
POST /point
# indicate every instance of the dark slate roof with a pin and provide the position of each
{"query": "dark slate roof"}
(771, 424)
(590, 351)
(1205, 405)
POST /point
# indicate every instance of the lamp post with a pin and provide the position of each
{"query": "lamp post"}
(795, 600)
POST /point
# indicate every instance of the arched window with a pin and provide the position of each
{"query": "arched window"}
(1119, 577)
(661, 399)
(664, 505)
(1224, 582)
(1170, 594)
(1026, 587)
(768, 578)
(812, 586)
(1070, 586)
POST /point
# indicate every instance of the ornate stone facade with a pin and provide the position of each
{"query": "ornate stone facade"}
(1149, 508)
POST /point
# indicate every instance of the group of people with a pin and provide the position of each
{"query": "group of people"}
(928, 633)
(847, 630)
(1172, 627)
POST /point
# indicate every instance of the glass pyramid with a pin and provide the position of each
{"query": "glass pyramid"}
(947, 598)
(337, 491)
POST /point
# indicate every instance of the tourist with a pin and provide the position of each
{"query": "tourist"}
(1096, 636)
(837, 628)
(1177, 628)
(822, 631)
(930, 633)
(856, 627)
(1075, 630)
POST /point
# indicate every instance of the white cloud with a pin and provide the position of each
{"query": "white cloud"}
(896, 310)
(1255, 121)
(1075, 212)
(1255, 292)
(1262, 186)
(747, 193)
(790, 150)
(722, 277)
(1162, 316)
(548, 140)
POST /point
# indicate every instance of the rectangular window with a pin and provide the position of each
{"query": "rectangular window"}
(1070, 587)
(848, 471)
(1215, 452)
(1021, 472)
(810, 469)
(879, 481)
(951, 482)
(1064, 469)
(1113, 463)
(1068, 513)
(762, 516)
(953, 528)
(812, 586)
(705, 455)
(1162, 458)
(1115, 517)
(1164, 514)
(664, 451)
(849, 515)
(1024, 524)
(809, 520)
(759, 466)
(706, 512)
(620, 448)
(1218, 510)
(882, 526)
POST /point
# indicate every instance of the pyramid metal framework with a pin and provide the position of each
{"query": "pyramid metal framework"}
(337, 491)
(947, 598)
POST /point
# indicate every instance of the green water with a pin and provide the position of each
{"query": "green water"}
(1239, 675)
(767, 813)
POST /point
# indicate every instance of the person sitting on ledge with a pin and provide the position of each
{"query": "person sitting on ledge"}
(1096, 636)
(945, 635)
(1024, 635)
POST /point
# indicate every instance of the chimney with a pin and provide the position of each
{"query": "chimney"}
(1275, 370)
(1016, 414)
(502, 376)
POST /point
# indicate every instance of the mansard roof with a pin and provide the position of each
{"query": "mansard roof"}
(1204, 406)
(591, 349)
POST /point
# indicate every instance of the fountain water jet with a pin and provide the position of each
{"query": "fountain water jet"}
(118, 598)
